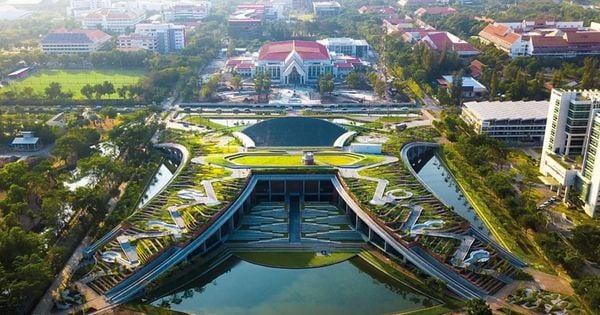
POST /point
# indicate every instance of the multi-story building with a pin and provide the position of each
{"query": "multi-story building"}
(79, 8)
(119, 21)
(326, 8)
(186, 11)
(135, 41)
(247, 20)
(347, 46)
(74, 41)
(293, 62)
(511, 121)
(441, 41)
(168, 37)
(571, 132)
(543, 38)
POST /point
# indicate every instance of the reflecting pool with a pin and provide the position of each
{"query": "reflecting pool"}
(240, 287)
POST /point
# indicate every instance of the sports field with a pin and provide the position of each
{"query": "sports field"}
(73, 80)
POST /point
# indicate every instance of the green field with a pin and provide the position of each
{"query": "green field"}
(274, 159)
(73, 80)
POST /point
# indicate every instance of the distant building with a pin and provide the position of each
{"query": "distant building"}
(20, 74)
(347, 46)
(294, 62)
(113, 20)
(160, 37)
(543, 38)
(248, 19)
(79, 8)
(412, 3)
(441, 41)
(377, 9)
(510, 121)
(471, 88)
(73, 41)
(26, 142)
(573, 130)
(186, 11)
(476, 68)
(396, 24)
(435, 11)
(57, 120)
(326, 8)
(135, 41)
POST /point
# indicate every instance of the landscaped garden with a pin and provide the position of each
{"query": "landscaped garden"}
(283, 159)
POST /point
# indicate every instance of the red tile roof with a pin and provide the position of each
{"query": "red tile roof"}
(305, 49)
(435, 11)
(75, 35)
(499, 34)
(112, 14)
(442, 40)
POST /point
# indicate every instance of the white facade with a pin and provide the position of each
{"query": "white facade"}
(573, 129)
(508, 121)
(347, 46)
(74, 41)
(186, 11)
(170, 37)
(137, 41)
(119, 21)
(79, 8)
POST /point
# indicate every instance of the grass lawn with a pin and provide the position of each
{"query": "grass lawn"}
(293, 259)
(73, 80)
(336, 159)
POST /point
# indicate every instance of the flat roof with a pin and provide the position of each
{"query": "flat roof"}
(25, 140)
(509, 110)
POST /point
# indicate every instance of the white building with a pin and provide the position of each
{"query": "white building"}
(572, 131)
(366, 148)
(135, 41)
(326, 8)
(119, 21)
(79, 8)
(351, 47)
(170, 37)
(186, 11)
(293, 62)
(74, 41)
(471, 88)
(26, 142)
(508, 121)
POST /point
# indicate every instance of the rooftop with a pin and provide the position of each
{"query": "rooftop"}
(112, 14)
(510, 110)
(307, 50)
(63, 35)
(466, 82)
(326, 4)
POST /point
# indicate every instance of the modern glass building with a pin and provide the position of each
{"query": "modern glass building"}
(572, 133)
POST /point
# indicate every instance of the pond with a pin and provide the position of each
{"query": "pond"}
(441, 182)
(239, 287)
(160, 180)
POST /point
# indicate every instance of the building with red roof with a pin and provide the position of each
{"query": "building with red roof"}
(114, 20)
(293, 62)
(543, 38)
(435, 11)
(440, 41)
(74, 41)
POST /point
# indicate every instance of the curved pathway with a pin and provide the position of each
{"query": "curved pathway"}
(378, 198)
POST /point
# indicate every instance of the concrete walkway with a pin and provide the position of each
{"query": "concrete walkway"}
(378, 198)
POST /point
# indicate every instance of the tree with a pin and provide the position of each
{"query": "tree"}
(478, 307)
(109, 112)
(236, 82)
(353, 79)
(380, 88)
(494, 85)
(556, 78)
(589, 289)
(87, 91)
(590, 69)
(456, 88)
(54, 91)
(326, 84)
(108, 88)
(586, 238)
